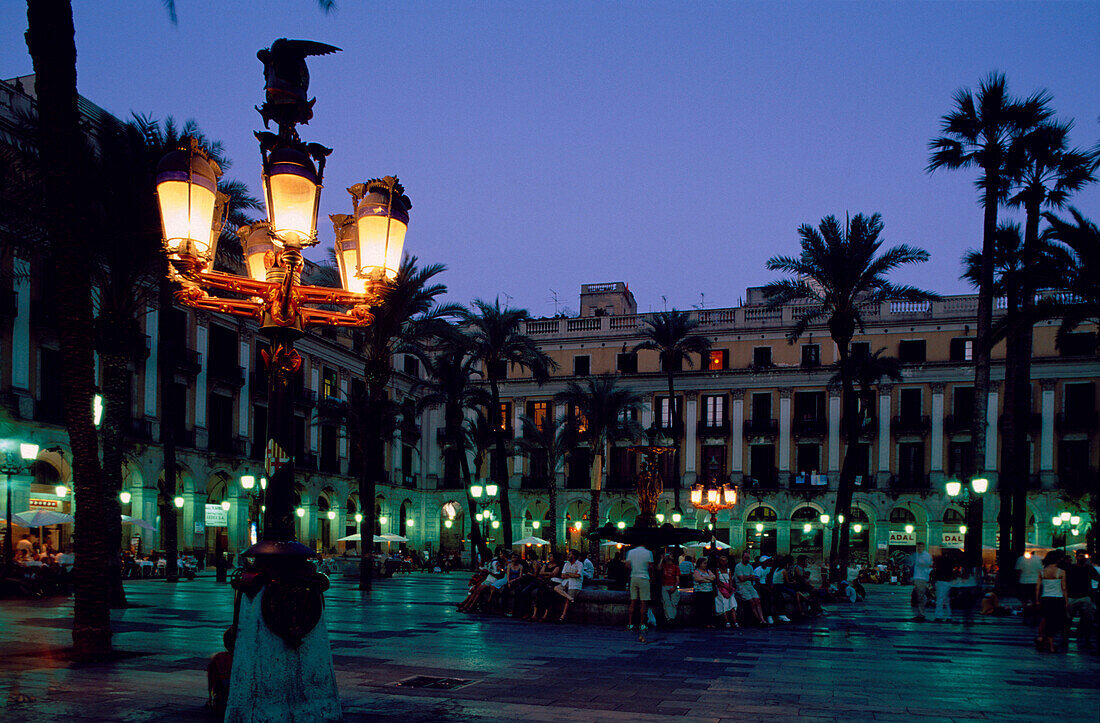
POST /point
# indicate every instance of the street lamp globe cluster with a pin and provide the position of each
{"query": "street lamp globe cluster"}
(713, 497)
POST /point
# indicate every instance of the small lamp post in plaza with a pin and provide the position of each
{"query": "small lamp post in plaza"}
(1066, 523)
(281, 645)
(11, 464)
(969, 497)
(484, 514)
(713, 497)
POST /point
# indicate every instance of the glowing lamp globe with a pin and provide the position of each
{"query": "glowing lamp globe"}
(187, 191)
(1065, 516)
(124, 497)
(840, 519)
(729, 495)
(225, 505)
(410, 523)
(491, 490)
(358, 517)
(979, 485)
(621, 525)
(806, 527)
(824, 519)
(263, 483)
(301, 511)
(1075, 520)
(178, 502)
(28, 451)
(381, 219)
(759, 526)
(61, 490)
(962, 529)
(448, 523)
(953, 488)
(696, 495)
(1057, 521)
(712, 496)
(908, 529)
(292, 188)
(248, 482)
(536, 524)
(660, 517)
(496, 524)
(475, 491)
(676, 517)
(577, 525)
(331, 514)
(857, 527)
(256, 242)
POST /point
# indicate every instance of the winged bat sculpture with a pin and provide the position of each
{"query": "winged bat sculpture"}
(287, 82)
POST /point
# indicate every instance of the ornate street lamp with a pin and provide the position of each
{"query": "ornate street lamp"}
(713, 497)
(368, 253)
(969, 497)
(10, 465)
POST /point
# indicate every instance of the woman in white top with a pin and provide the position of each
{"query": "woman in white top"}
(725, 602)
(1050, 593)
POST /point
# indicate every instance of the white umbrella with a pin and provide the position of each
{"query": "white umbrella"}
(128, 520)
(531, 541)
(351, 538)
(612, 543)
(41, 518)
(721, 545)
(390, 537)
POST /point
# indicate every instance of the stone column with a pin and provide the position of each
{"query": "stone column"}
(737, 436)
(342, 442)
(833, 467)
(783, 537)
(884, 439)
(152, 329)
(691, 417)
(519, 405)
(313, 429)
(202, 331)
(936, 464)
(22, 354)
(398, 470)
(784, 435)
(935, 533)
(991, 433)
(647, 414)
(244, 400)
(1046, 436)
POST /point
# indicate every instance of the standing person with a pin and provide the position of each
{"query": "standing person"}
(943, 576)
(640, 562)
(687, 569)
(921, 562)
(703, 593)
(1050, 594)
(725, 602)
(1079, 579)
(670, 586)
(744, 576)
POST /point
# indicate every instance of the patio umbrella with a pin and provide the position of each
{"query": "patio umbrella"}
(143, 524)
(351, 538)
(41, 518)
(531, 541)
(721, 545)
(390, 537)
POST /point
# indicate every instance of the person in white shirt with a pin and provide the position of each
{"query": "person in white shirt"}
(1028, 566)
(572, 574)
(640, 562)
(922, 569)
(589, 569)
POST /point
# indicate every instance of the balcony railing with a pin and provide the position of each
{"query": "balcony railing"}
(761, 481)
(181, 437)
(227, 445)
(761, 427)
(909, 482)
(810, 427)
(230, 374)
(306, 398)
(306, 461)
(958, 424)
(1077, 422)
(910, 425)
(867, 430)
(141, 429)
(188, 361)
(714, 427)
(330, 465)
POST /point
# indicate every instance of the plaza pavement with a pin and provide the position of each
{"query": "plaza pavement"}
(867, 662)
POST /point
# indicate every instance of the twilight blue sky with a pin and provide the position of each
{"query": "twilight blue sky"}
(674, 146)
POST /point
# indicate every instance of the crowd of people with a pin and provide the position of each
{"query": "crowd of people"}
(39, 568)
(735, 593)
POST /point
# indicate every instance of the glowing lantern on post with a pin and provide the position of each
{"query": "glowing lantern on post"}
(491, 490)
(124, 497)
(256, 242)
(28, 451)
(187, 193)
(292, 188)
(712, 496)
(729, 495)
(347, 253)
(697, 495)
(954, 487)
(225, 505)
(381, 219)
(980, 485)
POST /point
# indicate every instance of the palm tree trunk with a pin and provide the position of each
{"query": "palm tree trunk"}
(674, 417)
(51, 42)
(838, 553)
(374, 467)
(499, 464)
(984, 323)
(116, 383)
(552, 497)
(1012, 474)
(594, 504)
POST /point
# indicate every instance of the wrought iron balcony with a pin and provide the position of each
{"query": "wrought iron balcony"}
(230, 374)
(1076, 422)
(958, 424)
(867, 430)
(714, 427)
(900, 425)
(810, 427)
(761, 427)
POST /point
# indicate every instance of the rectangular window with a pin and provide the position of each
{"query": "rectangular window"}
(714, 410)
(962, 403)
(411, 365)
(626, 363)
(761, 407)
(505, 418)
(762, 464)
(859, 349)
(676, 364)
(714, 461)
(539, 413)
(761, 356)
(962, 349)
(718, 360)
(960, 459)
(808, 458)
(911, 464)
(581, 364)
(811, 355)
(910, 404)
(329, 387)
(664, 413)
(911, 351)
(809, 406)
(1081, 343)
(1079, 400)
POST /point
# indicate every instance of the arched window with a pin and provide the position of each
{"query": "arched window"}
(762, 514)
(805, 514)
(903, 515)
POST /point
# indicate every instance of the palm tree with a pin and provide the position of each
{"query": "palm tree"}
(602, 412)
(841, 273)
(866, 371)
(672, 335)
(1081, 303)
(979, 133)
(450, 385)
(546, 445)
(498, 341)
(406, 318)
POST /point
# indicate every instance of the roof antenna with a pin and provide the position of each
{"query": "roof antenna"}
(665, 300)
(557, 302)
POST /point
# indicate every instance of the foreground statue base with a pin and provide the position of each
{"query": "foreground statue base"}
(282, 661)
